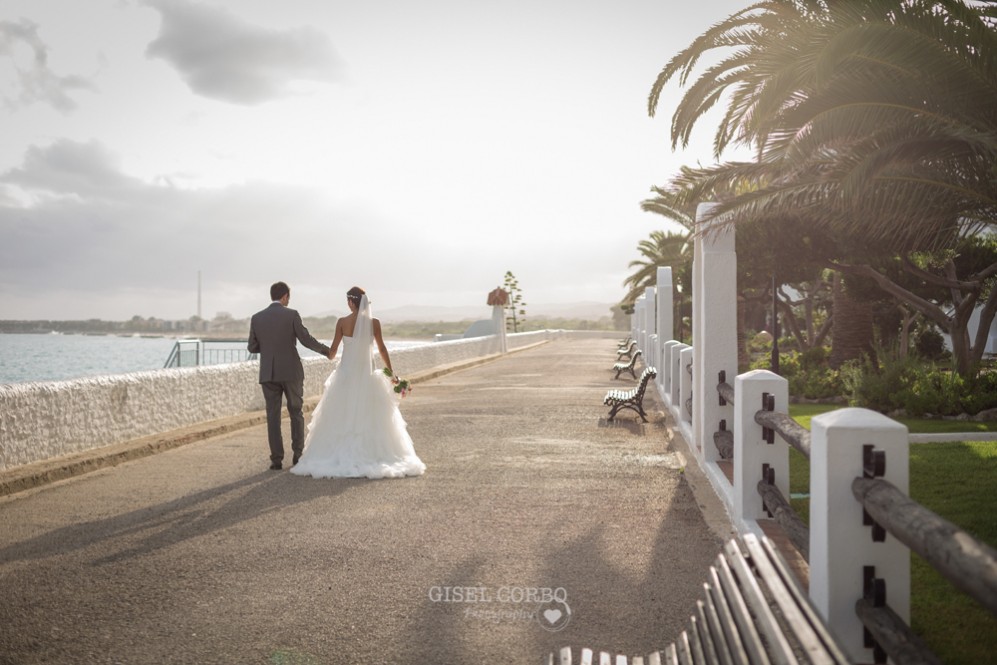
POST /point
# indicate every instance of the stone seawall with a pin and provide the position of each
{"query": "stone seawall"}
(40, 421)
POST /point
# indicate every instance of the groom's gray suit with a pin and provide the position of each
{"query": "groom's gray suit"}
(272, 334)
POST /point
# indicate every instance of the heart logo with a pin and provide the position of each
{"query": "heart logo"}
(553, 616)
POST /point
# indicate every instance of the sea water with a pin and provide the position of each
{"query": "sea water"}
(58, 357)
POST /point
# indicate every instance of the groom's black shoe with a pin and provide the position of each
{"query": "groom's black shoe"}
(276, 466)
(295, 460)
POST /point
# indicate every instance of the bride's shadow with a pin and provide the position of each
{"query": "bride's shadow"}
(181, 519)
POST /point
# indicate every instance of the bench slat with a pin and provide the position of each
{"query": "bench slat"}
(696, 641)
(769, 562)
(796, 621)
(742, 616)
(715, 630)
(709, 647)
(683, 649)
(733, 638)
(765, 621)
(752, 612)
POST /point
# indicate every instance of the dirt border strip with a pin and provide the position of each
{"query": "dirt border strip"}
(33, 475)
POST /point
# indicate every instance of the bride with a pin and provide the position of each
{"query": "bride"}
(356, 430)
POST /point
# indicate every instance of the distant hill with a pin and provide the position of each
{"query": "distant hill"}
(590, 311)
(586, 311)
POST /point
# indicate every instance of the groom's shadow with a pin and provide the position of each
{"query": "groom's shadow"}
(181, 519)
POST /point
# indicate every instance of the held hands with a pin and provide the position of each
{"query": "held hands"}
(331, 355)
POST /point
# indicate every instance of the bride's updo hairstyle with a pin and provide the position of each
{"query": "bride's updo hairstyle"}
(354, 295)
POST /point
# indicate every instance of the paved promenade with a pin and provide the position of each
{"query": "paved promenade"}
(202, 555)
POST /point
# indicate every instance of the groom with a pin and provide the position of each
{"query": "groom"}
(271, 334)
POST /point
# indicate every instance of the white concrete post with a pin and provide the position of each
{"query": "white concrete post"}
(751, 451)
(696, 324)
(665, 375)
(686, 407)
(665, 306)
(650, 320)
(714, 327)
(633, 320)
(498, 321)
(840, 545)
(675, 376)
(641, 326)
(653, 350)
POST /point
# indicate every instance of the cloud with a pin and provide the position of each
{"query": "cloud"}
(224, 57)
(84, 170)
(92, 230)
(35, 81)
(82, 238)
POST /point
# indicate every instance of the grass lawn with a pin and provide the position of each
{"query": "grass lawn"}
(957, 480)
(802, 413)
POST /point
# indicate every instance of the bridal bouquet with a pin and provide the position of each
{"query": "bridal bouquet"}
(403, 387)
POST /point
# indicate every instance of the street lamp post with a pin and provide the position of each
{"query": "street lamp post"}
(774, 363)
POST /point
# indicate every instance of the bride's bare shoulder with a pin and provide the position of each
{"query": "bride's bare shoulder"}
(346, 324)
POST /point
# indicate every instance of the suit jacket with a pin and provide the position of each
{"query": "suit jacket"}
(272, 333)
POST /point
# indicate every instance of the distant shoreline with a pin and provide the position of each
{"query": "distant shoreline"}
(238, 330)
(219, 337)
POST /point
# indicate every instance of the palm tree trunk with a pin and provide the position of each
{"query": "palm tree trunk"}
(851, 333)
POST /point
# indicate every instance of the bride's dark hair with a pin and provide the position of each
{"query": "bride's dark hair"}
(354, 295)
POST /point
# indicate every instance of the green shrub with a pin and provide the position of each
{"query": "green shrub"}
(807, 373)
(934, 392)
(914, 384)
(917, 386)
(930, 344)
(981, 394)
(875, 387)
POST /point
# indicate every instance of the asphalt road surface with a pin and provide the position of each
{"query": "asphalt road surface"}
(538, 524)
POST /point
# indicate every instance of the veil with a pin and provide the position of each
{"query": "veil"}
(363, 336)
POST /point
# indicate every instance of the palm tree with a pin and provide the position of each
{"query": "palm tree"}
(874, 119)
(660, 249)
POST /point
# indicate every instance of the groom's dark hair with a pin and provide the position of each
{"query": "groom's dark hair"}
(279, 290)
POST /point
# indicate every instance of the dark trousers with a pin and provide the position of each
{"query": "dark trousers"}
(273, 393)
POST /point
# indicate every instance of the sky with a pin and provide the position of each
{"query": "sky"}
(417, 149)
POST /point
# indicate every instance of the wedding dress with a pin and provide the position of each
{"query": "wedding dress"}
(357, 430)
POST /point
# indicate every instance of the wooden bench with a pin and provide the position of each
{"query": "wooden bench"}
(628, 351)
(632, 399)
(753, 611)
(624, 344)
(627, 366)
